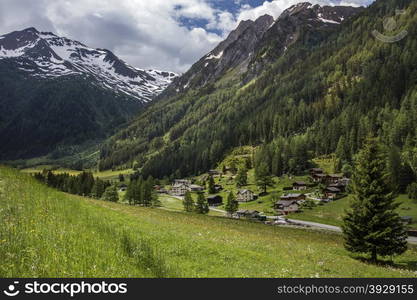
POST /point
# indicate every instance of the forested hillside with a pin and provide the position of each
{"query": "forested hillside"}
(41, 116)
(317, 98)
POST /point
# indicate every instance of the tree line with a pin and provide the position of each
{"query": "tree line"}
(138, 191)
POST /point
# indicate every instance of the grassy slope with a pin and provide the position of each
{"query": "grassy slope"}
(48, 233)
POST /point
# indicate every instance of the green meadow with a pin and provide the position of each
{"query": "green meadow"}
(46, 233)
(332, 213)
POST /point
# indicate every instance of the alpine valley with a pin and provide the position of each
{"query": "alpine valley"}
(313, 82)
(287, 151)
(57, 93)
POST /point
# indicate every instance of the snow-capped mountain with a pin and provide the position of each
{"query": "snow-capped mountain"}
(254, 45)
(46, 55)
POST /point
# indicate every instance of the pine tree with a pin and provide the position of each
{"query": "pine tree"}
(129, 196)
(138, 191)
(188, 202)
(262, 176)
(211, 188)
(147, 188)
(231, 205)
(372, 226)
(242, 177)
(202, 205)
(111, 194)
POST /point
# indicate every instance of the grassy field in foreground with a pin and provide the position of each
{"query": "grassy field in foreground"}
(46, 233)
(332, 213)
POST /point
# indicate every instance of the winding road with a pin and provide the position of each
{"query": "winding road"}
(313, 225)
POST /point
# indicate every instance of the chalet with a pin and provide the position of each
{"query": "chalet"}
(215, 200)
(287, 206)
(314, 171)
(319, 177)
(332, 192)
(339, 186)
(179, 189)
(182, 181)
(196, 188)
(245, 196)
(333, 178)
(249, 214)
(299, 186)
(293, 197)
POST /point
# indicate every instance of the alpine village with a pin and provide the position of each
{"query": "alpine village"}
(289, 150)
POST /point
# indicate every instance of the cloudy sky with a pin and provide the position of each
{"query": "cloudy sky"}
(162, 34)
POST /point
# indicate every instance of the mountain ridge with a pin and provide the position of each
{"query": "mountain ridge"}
(46, 55)
(325, 94)
(252, 40)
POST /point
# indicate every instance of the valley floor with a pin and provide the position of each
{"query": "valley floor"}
(46, 233)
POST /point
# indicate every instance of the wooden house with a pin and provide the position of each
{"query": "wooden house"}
(319, 177)
(245, 196)
(299, 186)
(293, 197)
(196, 188)
(179, 189)
(314, 171)
(249, 214)
(287, 206)
(332, 192)
(215, 200)
(339, 186)
(333, 178)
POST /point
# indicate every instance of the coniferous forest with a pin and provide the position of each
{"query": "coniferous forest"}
(288, 151)
(321, 97)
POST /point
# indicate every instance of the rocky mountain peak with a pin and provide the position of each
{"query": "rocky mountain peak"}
(45, 55)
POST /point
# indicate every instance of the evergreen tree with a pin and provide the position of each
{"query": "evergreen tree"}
(188, 202)
(211, 188)
(98, 188)
(371, 225)
(242, 177)
(111, 194)
(262, 176)
(231, 205)
(155, 202)
(147, 188)
(202, 205)
(129, 195)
